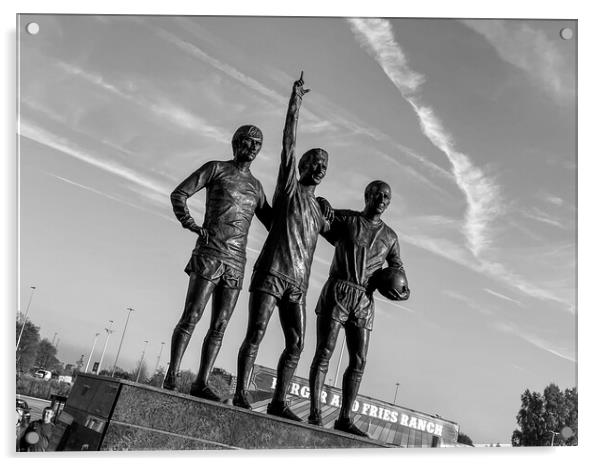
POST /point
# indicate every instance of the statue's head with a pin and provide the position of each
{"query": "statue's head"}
(377, 197)
(312, 166)
(246, 143)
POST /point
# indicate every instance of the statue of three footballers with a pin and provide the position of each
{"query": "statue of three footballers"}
(362, 241)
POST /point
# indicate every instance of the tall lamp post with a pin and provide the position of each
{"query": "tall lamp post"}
(102, 356)
(159, 357)
(33, 288)
(91, 351)
(141, 360)
(396, 388)
(130, 310)
(553, 434)
(336, 374)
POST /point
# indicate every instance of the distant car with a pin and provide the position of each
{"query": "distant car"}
(66, 378)
(23, 406)
(42, 374)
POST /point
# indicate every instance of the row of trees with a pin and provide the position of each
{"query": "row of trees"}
(35, 352)
(548, 418)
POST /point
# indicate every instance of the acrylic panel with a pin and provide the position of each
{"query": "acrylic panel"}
(129, 173)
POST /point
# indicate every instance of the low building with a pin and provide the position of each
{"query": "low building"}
(388, 423)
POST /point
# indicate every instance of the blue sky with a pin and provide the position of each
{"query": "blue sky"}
(472, 123)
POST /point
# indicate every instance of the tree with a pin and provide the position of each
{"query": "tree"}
(184, 381)
(46, 357)
(142, 367)
(221, 382)
(157, 379)
(542, 418)
(28, 346)
(464, 439)
(119, 373)
(79, 364)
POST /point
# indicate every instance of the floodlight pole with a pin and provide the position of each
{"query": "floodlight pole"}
(33, 288)
(130, 310)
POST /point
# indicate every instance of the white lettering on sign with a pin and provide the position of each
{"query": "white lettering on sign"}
(368, 409)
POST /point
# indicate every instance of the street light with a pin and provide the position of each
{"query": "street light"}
(141, 360)
(91, 351)
(102, 356)
(396, 388)
(553, 434)
(33, 288)
(130, 310)
(159, 357)
(336, 374)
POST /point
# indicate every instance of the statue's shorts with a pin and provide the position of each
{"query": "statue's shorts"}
(214, 270)
(346, 303)
(276, 286)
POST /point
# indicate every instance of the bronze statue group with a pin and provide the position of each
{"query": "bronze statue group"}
(362, 241)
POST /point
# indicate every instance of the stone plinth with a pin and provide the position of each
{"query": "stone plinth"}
(103, 413)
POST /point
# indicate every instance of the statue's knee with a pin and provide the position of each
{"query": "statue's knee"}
(358, 363)
(215, 335)
(186, 326)
(295, 348)
(323, 356)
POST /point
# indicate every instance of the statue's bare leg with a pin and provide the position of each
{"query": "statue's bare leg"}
(292, 320)
(327, 332)
(223, 304)
(197, 297)
(261, 306)
(358, 340)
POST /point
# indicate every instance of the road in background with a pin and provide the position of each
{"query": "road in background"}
(36, 405)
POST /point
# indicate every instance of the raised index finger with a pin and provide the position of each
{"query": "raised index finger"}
(301, 78)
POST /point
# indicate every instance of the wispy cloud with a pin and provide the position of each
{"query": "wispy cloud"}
(555, 200)
(158, 106)
(468, 301)
(540, 216)
(113, 198)
(481, 192)
(333, 118)
(42, 136)
(500, 272)
(394, 304)
(530, 50)
(535, 341)
(496, 271)
(503, 296)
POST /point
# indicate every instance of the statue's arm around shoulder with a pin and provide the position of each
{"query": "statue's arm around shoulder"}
(264, 210)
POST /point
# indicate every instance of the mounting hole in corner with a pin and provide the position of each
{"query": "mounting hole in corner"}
(566, 33)
(33, 28)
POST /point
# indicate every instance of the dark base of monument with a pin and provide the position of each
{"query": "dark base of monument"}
(103, 413)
